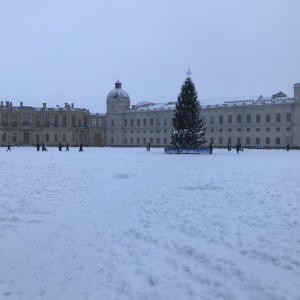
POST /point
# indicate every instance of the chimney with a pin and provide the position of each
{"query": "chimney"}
(66, 104)
(44, 105)
(72, 105)
(21, 104)
(7, 103)
(297, 92)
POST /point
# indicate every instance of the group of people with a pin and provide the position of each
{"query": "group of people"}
(59, 147)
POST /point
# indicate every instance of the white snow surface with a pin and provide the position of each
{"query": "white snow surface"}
(124, 223)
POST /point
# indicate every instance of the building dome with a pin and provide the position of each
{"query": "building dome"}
(118, 92)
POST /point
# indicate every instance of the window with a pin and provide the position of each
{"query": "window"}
(84, 121)
(125, 140)
(278, 117)
(145, 122)
(248, 118)
(138, 141)
(131, 122)
(220, 141)
(229, 119)
(73, 120)
(100, 122)
(268, 118)
(47, 120)
(65, 120)
(257, 140)
(257, 129)
(94, 122)
(220, 119)
(151, 122)
(56, 120)
(131, 140)
(289, 117)
(4, 119)
(112, 122)
(26, 119)
(257, 118)
(212, 120)
(138, 122)
(14, 119)
(267, 141)
(229, 129)
(38, 119)
(239, 118)
(220, 130)
(239, 129)
(277, 141)
(229, 141)
(248, 141)
(158, 141)
(125, 122)
(277, 128)
(248, 129)
(288, 129)
(112, 141)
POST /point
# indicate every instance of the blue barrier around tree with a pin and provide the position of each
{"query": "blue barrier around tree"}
(187, 150)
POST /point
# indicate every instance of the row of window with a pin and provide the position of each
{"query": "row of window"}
(249, 141)
(143, 122)
(249, 129)
(48, 137)
(142, 141)
(47, 121)
(249, 117)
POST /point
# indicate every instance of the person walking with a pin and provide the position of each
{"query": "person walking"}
(67, 146)
(8, 148)
(80, 147)
(288, 147)
(237, 147)
(37, 146)
(59, 146)
(148, 147)
(210, 148)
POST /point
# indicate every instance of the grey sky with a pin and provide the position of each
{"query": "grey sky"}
(59, 51)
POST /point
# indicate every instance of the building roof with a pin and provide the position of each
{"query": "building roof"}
(118, 92)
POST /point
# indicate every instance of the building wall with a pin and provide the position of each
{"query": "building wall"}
(269, 124)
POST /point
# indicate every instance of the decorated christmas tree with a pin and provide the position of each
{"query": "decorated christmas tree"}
(187, 121)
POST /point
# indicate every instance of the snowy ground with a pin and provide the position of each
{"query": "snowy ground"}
(112, 223)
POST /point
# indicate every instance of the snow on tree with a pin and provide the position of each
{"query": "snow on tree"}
(187, 121)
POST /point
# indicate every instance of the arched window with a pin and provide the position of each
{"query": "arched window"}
(26, 138)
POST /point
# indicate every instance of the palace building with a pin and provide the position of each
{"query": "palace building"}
(269, 122)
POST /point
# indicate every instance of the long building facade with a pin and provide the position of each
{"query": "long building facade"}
(269, 122)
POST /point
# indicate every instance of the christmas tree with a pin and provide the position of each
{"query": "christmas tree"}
(187, 122)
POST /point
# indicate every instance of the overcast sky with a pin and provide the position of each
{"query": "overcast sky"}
(74, 51)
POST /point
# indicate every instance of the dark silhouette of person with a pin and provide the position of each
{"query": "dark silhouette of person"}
(8, 148)
(237, 148)
(210, 148)
(67, 147)
(148, 147)
(229, 147)
(37, 146)
(80, 147)
(288, 147)
(59, 146)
